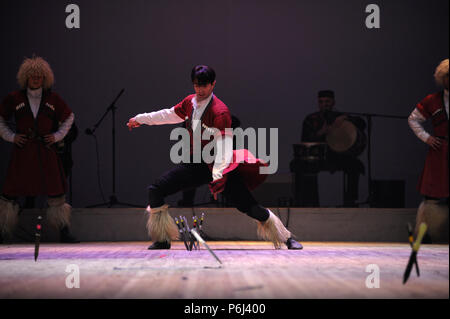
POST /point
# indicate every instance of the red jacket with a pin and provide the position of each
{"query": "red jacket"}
(434, 179)
(217, 115)
(35, 169)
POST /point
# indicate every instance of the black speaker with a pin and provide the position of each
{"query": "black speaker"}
(276, 191)
(388, 194)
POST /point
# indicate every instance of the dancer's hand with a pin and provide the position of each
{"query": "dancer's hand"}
(20, 139)
(217, 186)
(323, 130)
(49, 139)
(132, 123)
(434, 142)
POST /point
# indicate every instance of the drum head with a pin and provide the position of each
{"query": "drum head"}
(342, 138)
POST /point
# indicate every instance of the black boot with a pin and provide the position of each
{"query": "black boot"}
(292, 244)
(159, 245)
(67, 237)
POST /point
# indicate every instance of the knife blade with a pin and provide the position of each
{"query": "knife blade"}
(37, 238)
(200, 239)
(181, 232)
(411, 242)
(415, 249)
(412, 258)
(191, 239)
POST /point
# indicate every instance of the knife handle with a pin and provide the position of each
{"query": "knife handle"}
(38, 226)
(422, 231)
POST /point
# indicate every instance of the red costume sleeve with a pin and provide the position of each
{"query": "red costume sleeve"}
(62, 110)
(7, 107)
(423, 108)
(222, 122)
(181, 109)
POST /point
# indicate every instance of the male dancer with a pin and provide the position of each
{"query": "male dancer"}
(233, 173)
(42, 119)
(433, 183)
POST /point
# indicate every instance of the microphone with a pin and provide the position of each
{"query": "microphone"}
(88, 131)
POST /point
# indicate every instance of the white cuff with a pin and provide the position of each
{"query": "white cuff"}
(5, 131)
(224, 156)
(64, 128)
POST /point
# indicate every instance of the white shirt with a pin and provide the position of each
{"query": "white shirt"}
(34, 96)
(168, 116)
(199, 108)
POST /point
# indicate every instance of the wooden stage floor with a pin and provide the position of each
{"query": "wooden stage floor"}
(250, 270)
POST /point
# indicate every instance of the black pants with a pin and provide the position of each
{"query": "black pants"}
(188, 175)
(188, 197)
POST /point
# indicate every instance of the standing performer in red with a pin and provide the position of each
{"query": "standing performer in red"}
(42, 119)
(234, 173)
(433, 183)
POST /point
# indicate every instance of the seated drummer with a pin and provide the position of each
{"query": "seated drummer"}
(318, 124)
(315, 128)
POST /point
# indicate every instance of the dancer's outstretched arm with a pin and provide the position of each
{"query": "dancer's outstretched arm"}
(165, 116)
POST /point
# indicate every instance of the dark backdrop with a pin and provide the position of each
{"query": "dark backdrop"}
(271, 58)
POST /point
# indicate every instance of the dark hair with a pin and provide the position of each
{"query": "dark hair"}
(203, 74)
(326, 93)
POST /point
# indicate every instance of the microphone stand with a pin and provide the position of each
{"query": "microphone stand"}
(113, 198)
(369, 117)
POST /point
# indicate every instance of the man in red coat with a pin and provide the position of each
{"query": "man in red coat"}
(433, 182)
(233, 173)
(42, 119)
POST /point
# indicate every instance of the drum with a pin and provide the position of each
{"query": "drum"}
(311, 152)
(347, 139)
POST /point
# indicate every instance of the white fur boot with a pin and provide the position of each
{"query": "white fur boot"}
(435, 215)
(9, 211)
(58, 212)
(273, 230)
(160, 225)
